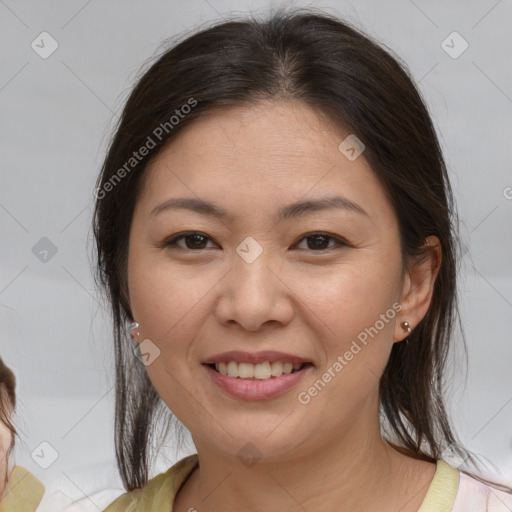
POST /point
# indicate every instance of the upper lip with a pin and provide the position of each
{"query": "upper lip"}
(255, 358)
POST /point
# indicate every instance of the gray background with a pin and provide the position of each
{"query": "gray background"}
(57, 114)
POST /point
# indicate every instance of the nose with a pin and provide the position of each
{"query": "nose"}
(254, 293)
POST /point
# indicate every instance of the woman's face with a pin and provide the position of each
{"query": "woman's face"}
(255, 283)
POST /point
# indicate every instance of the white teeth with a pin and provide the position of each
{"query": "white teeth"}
(232, 369)
(246, 371)
(222, 368)
(287, 368)
(261, 371)
(276, 368)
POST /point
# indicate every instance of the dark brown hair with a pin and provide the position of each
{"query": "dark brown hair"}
(321, 61)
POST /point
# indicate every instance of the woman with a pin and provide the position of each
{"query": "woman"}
(20, 491)
(274, 218)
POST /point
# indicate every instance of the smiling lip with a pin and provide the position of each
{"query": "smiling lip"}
(254, 389)
(256, 358)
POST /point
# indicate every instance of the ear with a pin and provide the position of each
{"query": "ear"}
(418, 286)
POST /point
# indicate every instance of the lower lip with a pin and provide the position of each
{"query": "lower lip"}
(255, 389)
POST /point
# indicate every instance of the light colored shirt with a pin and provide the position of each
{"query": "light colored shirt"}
(450, 491)
(23, 492)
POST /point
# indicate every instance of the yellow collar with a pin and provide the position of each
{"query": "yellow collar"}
(23, 492)
(443, 489)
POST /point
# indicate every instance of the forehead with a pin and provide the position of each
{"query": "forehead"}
(283, 132)
(262, 152)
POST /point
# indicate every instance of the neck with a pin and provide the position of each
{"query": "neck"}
(354, 472)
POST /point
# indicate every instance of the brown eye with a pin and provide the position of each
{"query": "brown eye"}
(193, 240)
(320, 241)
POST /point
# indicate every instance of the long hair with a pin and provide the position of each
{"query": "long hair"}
(323, 62)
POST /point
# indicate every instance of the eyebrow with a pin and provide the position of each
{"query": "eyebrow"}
(293, 210)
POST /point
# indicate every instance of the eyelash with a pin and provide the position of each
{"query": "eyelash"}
(171, 243)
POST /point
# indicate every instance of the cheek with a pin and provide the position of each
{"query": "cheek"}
(357, 309)
(351, 298)
(166, 305)
(171, 303)
(163, 293)
(356, 312)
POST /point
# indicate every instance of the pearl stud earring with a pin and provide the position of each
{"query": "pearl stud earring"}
(406, 327)
(134, 327)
